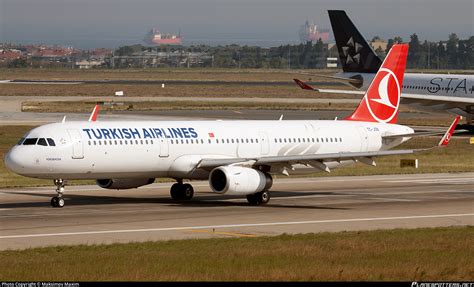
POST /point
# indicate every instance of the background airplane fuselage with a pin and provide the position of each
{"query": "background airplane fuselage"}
(428, 84)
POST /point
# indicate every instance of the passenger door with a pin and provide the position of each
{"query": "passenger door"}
(77, 144)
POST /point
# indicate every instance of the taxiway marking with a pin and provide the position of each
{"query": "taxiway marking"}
(236, 225)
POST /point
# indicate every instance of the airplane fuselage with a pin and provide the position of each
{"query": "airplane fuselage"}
(149, 149)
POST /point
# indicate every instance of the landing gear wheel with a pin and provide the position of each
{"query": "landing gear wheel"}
(259, 198)
(54, 201)
(252, 199)
(58, 201)
(187, 192)
(181, 191)
(174, 191)
(61, 202)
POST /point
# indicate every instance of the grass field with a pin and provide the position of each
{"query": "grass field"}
(457, 157)
(440, 254)
(177, 74)
(85, 106)
(255, 75)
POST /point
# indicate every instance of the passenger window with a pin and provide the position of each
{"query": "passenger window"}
(30, 141)
(42, 142)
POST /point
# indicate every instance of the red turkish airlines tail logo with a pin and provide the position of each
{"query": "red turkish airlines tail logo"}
(382, 99)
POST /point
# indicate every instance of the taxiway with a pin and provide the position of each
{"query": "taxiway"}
(299, 205)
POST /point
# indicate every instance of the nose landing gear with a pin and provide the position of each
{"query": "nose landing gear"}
(58, 201)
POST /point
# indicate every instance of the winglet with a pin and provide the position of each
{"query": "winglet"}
(94, 114)
(447, 136)
(303, 85)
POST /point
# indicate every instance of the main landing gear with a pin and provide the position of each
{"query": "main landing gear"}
(58, 201)
(262, 197)
(180, 191)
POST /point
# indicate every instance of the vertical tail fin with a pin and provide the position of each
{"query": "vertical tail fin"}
(356, 55)
(382, 99)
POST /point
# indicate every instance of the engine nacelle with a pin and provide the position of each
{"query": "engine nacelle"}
(238, 180)
(124, 183)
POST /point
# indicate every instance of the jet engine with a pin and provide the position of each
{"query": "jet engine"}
(124, 183)
(238, 180)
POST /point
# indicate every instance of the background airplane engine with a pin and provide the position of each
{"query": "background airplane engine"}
(124, 183)
(238, 180)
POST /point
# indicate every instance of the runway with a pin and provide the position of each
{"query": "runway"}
(298, 205)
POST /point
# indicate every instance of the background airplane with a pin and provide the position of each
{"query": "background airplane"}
(435, 92)
(237, 157)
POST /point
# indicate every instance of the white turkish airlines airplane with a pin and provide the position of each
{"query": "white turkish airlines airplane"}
(432, 92)
(238, 157)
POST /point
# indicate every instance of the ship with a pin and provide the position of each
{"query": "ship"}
(155, 37)
(309, 33)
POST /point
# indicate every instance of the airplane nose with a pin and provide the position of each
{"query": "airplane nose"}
(13, 161)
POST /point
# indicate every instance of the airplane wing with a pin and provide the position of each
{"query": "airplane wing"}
(315, 160)
(345, 80)
(318, 160)
(305, 86)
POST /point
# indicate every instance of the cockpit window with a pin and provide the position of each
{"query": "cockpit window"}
(42, 141)
(30, 141)
(20, 142)
(51, 142)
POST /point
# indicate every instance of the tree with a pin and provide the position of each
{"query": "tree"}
(441, 56)
(470, 53)
(414, 52)
(380, 52)
(451, 50)
(18, 63)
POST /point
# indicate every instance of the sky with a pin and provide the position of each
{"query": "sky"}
(113, 23)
